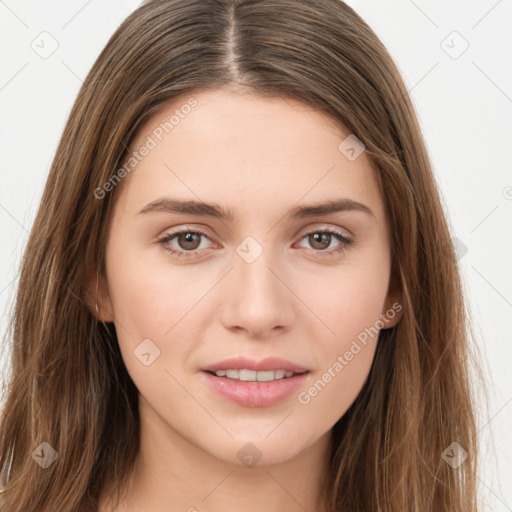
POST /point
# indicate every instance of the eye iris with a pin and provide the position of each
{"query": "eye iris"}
(185, 239)
(314, 238)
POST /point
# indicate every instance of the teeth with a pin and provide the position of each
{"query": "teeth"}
(254, 376)
(247, 375)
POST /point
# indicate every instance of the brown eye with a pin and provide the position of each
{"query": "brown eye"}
(319, 241)
(188, 241)
(184, 243)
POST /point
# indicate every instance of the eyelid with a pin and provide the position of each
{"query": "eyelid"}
(202, 231)
(184, 229)
(315, 229)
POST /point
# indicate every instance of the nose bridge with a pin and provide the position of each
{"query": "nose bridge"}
(258, 301)
(252, 267)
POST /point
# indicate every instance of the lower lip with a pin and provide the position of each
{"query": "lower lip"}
(256, 394)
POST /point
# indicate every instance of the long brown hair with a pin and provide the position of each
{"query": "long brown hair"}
(68, 386)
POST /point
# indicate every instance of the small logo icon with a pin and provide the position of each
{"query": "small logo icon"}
(351, 147)
(454, 45)
(146, 352)
(507, 193)
(44, 455)
(455, 455)
(249, 249)
(460, 248)
(249, 455)
(45, 45)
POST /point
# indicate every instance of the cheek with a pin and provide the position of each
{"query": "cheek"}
(345, 344)
(150, 297)
(345, 357)
(153, 300)
(335, 387)
(349, 301)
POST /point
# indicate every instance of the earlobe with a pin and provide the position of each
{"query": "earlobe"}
(393, 309)
(98, 298)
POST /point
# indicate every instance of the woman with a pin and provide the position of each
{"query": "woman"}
(240, 290)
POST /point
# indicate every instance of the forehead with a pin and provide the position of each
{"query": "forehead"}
(246, 151)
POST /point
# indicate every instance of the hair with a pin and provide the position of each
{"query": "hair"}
(68, 385)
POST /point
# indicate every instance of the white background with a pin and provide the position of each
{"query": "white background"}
(465, 109)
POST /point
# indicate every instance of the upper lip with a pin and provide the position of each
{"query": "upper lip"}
(243, 363)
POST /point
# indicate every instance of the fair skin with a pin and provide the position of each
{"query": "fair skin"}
(259, 158)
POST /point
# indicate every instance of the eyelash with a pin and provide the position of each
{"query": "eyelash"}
(345, 241)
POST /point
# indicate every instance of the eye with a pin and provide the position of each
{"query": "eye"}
(188, 242)
(320, 240)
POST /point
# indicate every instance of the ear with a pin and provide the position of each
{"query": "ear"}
(97, 297)
(393, 306)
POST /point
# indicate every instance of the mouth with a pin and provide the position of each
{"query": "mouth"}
(255, 383)
(246, 375)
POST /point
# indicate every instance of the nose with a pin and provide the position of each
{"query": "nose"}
(259, 300)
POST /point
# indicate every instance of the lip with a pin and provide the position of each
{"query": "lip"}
(269, 363)
(255, 394)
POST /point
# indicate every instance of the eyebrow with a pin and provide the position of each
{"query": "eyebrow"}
(191, 207)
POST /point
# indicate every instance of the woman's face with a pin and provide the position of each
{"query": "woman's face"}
(255, 284)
